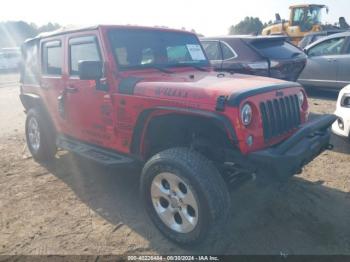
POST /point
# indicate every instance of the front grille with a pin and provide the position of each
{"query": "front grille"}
(280, 115)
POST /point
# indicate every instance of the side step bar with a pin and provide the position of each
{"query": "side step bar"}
(95, 153)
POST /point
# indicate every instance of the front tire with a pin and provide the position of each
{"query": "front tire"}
(184, 195)
(40, 136)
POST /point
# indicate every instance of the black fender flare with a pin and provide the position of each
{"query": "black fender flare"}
(141, 124)
(31, 100)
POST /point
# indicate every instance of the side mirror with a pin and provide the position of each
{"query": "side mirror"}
(90, 70)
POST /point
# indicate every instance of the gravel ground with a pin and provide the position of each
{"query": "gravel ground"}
(74, 207)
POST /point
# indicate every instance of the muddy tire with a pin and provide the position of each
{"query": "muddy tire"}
(40, 136)
(185, 196)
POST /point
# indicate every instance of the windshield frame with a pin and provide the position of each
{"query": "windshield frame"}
(200, 63)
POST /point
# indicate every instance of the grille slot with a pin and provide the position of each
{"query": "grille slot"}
(279, 116)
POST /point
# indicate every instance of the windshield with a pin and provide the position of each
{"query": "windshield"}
(146, 48)
(307, 15)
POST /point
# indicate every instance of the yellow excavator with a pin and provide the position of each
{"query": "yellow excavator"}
(304, 19)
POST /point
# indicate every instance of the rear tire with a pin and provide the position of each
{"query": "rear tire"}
(184, 195)
(40, 136)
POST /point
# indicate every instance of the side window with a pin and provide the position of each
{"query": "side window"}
(298, 16)
(212, 49)
(30, 69)
(329, 47)
(227, 51)
(82, 49)
(347, 50)
(52, 58)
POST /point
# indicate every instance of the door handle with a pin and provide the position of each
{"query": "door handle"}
(71, 89)
(331, 60)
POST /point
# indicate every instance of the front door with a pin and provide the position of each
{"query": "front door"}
(343, 70)
(321, 67)
(88, 106)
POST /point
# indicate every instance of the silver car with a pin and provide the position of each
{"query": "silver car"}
(328, 63)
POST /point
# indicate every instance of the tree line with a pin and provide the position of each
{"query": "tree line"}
(248, 26)
(13, 33)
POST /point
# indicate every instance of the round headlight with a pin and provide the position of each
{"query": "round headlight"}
(301, 98)
(246, 114)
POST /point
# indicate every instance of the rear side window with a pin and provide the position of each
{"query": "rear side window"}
(30, 63)
(277, 49)
(82, 49)
(227, 51)
(52, 58)
(212, 49)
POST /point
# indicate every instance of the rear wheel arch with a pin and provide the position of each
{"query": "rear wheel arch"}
(34, 101)
(30, 100)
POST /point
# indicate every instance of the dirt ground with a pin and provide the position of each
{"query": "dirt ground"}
(74, 207)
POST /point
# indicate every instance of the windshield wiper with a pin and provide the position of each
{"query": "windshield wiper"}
(162, 69)
(190, 65)
(199, 68)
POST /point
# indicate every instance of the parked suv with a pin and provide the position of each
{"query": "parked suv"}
(129, 95)
(271, 56)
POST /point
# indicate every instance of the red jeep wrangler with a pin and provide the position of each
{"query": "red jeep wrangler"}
(125, 95)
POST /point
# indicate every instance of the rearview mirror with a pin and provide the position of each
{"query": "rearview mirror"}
(90, 70)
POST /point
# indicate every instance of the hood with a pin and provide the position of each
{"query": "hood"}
(205, 87)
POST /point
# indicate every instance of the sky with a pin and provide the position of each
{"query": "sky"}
(206, 17)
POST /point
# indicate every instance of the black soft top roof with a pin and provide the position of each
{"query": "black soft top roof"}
(60, 31)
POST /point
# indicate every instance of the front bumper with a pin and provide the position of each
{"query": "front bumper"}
(288, 158)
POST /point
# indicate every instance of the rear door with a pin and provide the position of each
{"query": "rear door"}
(214, 53)
(321, 66)
(52, 78)
(343, 68)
